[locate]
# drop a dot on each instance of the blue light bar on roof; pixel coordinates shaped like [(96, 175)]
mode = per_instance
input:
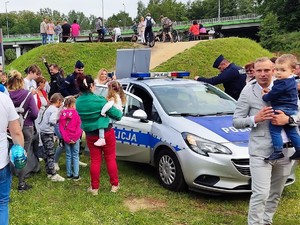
[(140, 75), (180, 74)]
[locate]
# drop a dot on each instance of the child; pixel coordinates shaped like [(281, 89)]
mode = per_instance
[(47, 123), (69, 126), (284, 97), (116, 98)]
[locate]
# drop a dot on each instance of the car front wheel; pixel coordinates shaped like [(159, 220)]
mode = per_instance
[(169, 171)]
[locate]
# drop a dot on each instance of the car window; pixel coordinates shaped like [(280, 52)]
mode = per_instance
[(132, 102), (195, 98)]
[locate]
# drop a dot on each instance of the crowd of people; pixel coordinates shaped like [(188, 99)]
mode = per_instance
[(63, 31), (58, 111)]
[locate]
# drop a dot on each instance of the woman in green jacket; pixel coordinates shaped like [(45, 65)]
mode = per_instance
[(89, 108)]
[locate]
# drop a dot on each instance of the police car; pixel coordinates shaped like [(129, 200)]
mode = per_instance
[(183, 128)]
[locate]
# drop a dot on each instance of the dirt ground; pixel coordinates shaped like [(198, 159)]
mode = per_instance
[(162, 52), (136, 204)]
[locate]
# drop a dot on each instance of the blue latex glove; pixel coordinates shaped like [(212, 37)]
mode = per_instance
[(18, 156)]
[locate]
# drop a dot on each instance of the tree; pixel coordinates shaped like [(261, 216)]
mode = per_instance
[(121, 19), (268, 29)]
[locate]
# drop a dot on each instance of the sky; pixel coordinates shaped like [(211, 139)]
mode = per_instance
[(88, 7)]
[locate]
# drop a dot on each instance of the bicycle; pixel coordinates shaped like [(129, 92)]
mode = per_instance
[(174, 33)]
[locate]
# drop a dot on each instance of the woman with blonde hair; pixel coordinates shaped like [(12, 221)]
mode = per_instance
[(141, 29), (18, 94), (102, 77)]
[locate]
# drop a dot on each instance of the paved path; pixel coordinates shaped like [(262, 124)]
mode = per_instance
[(162, 52)]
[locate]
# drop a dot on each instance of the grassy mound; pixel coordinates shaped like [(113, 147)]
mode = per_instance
[(94, 56), (198, 60)]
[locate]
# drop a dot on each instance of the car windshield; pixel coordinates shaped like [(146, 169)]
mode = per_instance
[(195, 99)]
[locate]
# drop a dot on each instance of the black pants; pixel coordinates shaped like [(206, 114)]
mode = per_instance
[(148, 34)]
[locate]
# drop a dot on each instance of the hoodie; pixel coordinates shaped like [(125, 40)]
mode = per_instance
[(69, 125), (17, 97)]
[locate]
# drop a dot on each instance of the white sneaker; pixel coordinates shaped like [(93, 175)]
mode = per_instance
[(82, 164), (100, 142), (114, 189), (57, 177), (56, 167), (41, 159), (92, 191)]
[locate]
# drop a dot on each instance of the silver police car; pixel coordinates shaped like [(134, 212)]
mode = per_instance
[(184, 129)]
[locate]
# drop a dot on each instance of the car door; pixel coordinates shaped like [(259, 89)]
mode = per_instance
[(133, 134)]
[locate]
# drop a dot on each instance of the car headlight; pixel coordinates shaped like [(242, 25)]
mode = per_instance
[(203, 146)]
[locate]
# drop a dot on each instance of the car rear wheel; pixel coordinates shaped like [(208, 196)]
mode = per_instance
[(169, 171)]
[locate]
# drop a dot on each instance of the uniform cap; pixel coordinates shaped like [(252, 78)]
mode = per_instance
[(79, 65), (218, 61)]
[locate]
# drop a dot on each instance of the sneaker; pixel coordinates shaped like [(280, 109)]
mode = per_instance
[(41, 159), (100, 142), (56, 178), (77, 178), (295, 156), (82, 164), (114, 189), (275, 156), (70, 177), (56, 167), (92, 191), (24, 187)]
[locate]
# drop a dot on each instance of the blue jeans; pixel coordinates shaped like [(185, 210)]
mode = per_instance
[(44, 38), (59, 147), (72, 157), (291, 132), (5, 182)]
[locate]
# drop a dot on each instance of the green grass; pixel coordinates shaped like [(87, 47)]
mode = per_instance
[(199, 59), (69, 203), (94, 56)]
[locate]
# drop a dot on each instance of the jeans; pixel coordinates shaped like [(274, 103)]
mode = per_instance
[(60, 146), (72, 157), (291, 132), (5, 182), (44, 38), (50, 38)]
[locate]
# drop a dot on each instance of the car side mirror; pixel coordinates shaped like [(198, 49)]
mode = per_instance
[(140, 114)]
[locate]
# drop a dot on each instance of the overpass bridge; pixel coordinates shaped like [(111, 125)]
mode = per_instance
[(230, 26)]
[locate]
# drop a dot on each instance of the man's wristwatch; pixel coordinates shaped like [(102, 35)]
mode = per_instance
[(291, 120)]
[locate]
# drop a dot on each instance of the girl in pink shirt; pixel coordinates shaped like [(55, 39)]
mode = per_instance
[(75, 29), (69, 126)]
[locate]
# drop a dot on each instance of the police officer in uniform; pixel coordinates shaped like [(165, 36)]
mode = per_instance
[(232, 77), (69, 87)]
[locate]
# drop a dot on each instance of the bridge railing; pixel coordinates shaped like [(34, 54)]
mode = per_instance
[(210, 21)]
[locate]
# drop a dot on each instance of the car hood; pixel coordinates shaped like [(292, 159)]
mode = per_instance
[(216, 128)]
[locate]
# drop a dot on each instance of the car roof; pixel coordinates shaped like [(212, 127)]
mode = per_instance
[(159, 81)]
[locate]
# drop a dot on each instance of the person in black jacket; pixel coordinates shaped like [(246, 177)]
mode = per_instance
[(232, 77), (69, 87), (56, 78)]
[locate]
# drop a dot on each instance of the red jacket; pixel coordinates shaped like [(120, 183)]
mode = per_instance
[(69, 125), (194, 29)]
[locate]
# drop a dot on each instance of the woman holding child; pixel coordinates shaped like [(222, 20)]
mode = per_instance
[(89, 108)]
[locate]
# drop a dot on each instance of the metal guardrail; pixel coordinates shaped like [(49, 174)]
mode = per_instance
[(128, 30)]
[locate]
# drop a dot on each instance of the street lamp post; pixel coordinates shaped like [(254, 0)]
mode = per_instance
[(219, 10), (102, 13), (124, 16), (6, 18)]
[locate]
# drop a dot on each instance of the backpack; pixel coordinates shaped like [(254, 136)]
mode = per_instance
[(167, 23), (20, 111), (149, 22)]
